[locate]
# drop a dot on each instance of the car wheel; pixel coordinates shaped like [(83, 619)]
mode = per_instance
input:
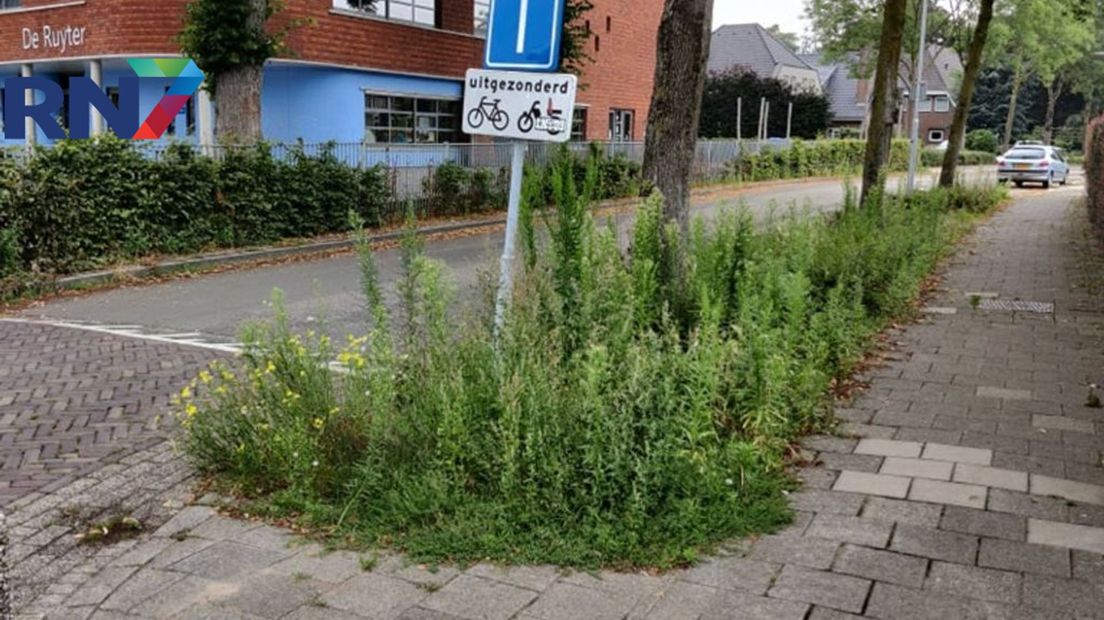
[(1050, 179), (1018, 183)]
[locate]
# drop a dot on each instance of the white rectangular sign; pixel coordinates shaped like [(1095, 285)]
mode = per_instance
[(512, 104)]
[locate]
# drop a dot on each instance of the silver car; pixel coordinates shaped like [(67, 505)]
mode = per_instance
[(1033, 163)]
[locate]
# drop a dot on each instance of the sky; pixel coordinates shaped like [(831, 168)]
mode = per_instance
[(787, 13)]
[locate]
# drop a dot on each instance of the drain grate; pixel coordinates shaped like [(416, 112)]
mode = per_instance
[(1010, 305)]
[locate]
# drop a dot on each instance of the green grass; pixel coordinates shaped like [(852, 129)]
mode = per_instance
[(636, 411)]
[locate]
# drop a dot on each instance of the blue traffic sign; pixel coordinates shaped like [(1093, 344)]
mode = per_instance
[(525, 35)]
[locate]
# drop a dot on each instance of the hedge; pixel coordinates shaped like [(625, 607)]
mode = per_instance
[(1094, 173)]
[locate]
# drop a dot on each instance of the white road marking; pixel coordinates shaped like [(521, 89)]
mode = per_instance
[(132, 331)]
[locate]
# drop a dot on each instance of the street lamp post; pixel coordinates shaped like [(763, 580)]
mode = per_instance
[(914, 129)]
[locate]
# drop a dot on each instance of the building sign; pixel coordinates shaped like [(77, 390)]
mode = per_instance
[(54, 39), (512, 104), (84, 94)]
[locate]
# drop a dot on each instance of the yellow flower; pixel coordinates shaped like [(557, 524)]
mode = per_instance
[(271, 368), (241, 447), (186, 393), (335, 410), (191, 410), (205, 377), (221, 390), (319, 423)]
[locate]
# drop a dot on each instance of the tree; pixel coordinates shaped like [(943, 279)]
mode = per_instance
[(789, 39), (682, 51), (966, 94), (882, 113), (229, 42), (812, 112), (576, 35)]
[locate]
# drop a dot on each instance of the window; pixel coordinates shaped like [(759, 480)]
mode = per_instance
[(403, 120), (422, 12), (609, 24), (621, 125), (935, 135), (942, 104), (925, 104), (10, 4), (579, 125), (188, 112), (597, 43), (482, 14)]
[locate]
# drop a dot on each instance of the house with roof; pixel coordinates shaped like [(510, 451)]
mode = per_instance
[(753, 48)]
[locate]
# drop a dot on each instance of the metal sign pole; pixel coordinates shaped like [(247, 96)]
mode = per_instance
[(739, 117), (513, 215)]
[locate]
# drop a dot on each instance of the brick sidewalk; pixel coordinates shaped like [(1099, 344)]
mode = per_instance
[(965, 483), (73, 400)]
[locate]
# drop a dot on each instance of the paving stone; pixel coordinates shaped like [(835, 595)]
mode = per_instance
[(1083, 472), (1003, 393), (850, 462), (904, 418), (892, 602), (917, 468), (951, 493), (204, 612), (141, 586), (858, 530), (567, 601), (957, 454), (536, 578), (1036, 506), (984, 523), (319, 612), (478, 598), (827, 501), (1068, 489), (872, 484), (828, 589), (885, 566), (929, 435), (682, 601), (975, 583), (1063, 595), (185, 520), (801, 521), (1030, 464), (1065, 535), (823, 613), (872, 431), (1062, 423), (888, 447), (189, 592), (900, 511), (935, 544), (743, 606), (228, 559), (95, 590), (810, 552), (991, 477), (332, 567), (425, 575), (734, 573), (817, 478), (375, 595), (222, 528), (1088, 566), (828, 443), (269, 596), (1086, 514), (1024, 557)]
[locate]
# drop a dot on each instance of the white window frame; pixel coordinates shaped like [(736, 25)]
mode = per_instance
[(942, 104), (421, 12), (481, 17), (415, 114), (933, 132)]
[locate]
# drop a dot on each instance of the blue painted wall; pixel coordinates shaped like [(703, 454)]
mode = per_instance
[(320, 104)]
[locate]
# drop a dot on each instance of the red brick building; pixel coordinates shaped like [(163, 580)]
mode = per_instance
[(388, 71)]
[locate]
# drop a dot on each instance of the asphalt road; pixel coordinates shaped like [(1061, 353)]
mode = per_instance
[(324, 294)]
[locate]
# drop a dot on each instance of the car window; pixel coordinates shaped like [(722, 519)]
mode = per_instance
[(1026, 154), (1059, 155)]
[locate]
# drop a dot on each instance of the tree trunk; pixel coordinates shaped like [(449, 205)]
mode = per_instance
[(966, 94), (1010, 122), (682, 52), (1054, 92), (238, 92), (882, 114)]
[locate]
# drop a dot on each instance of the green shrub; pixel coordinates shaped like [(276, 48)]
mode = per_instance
[(983, 140), (456, 190), (623, 417), (10, 259), (933, 158)]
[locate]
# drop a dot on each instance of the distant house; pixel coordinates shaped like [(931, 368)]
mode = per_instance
[(849, 95), (752, 48)]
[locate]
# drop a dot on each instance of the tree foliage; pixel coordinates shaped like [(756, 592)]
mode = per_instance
[(576, 36), (812, 112), (221, 35)]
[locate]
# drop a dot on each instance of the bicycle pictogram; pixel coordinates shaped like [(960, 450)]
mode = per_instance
[(488, 110)]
